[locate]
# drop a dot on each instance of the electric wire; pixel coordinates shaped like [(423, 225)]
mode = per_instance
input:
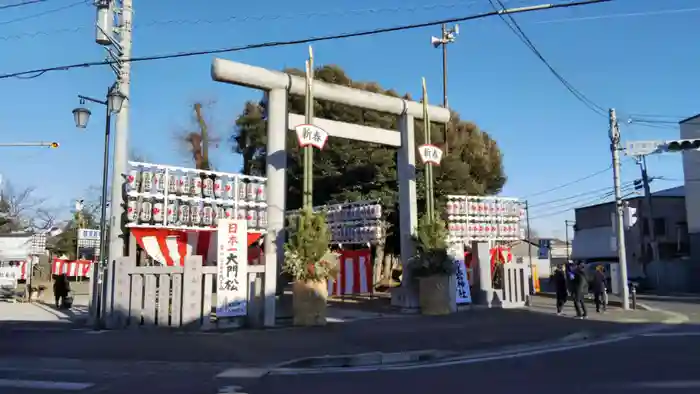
[(20, 4), (509, 20), (594, 201), (589, 176), (572, 197), (257, 18), (30, 74), (43, 13), (615, 16), (585, 200)]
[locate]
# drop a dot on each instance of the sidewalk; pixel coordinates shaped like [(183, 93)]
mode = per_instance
[(473, 330), (41, 313)]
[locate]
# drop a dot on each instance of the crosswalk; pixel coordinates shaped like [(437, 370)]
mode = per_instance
[(65, 376), (27, 376)]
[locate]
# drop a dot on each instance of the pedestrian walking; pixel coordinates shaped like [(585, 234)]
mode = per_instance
[(580, 289), (560, 287), (599, 289), (61, 288)]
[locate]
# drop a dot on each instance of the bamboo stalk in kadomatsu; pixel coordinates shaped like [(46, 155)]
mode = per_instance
[(308, 150)]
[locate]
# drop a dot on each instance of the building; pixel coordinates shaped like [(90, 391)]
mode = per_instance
[(690, 128), (594, 239), (530, 251)]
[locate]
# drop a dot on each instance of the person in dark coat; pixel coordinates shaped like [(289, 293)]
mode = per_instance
[(60, 289), (580, 289), (560, 287), (599, 289)]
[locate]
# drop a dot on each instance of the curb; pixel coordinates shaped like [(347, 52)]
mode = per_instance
[(640, 305), (377, 361), (382, 361)]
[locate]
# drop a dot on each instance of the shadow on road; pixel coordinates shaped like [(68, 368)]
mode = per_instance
[(475, 329)]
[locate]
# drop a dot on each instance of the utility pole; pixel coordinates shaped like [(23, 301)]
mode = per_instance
[(566, 231), (117, 41), (614, 135), (649, 209), (117, 242), (529, 245)]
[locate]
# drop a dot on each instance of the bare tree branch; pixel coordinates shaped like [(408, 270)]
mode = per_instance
[(22, 211)]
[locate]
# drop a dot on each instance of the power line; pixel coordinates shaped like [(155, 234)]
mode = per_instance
[(256, 18), (41, 71), (628, 15), (573, 197), (22, 4), (509, 20), (584, 200), (570, 183), (594, 201), (47, 12)]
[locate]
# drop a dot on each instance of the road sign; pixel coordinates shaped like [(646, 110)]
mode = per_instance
[(641, 148)]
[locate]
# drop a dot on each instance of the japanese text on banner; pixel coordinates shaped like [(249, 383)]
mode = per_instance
[(232, 269)]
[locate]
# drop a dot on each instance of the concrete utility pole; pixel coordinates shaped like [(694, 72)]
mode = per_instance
[(566, 231), (117, 242), (614, 135), (649, 209), (529, 245)]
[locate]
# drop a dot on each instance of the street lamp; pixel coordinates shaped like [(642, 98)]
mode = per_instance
[(113, 103), (448, 37)]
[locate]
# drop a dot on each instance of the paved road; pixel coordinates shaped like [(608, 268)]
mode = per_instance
[(647, 364), (658, 363)]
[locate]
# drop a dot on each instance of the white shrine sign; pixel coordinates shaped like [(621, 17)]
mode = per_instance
[(430, 154), (308, 134)]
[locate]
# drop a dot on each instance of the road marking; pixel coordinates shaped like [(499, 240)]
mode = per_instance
[(504, 355), (242, 373), (231, 390), (671, 384), (44, 370), (44, 385), (673, 334)]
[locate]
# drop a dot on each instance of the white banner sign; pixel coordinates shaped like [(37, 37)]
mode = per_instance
[(88, 234), (232, 268), (8, 277), (456, 250)]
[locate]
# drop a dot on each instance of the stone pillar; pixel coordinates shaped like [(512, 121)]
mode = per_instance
[(407, 295), (481, 265), (276, 172)]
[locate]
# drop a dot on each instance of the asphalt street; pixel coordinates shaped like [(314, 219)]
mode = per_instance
[(662, 362), (655, 364)]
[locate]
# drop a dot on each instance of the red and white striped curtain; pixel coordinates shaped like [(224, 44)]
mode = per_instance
[(355, 274)]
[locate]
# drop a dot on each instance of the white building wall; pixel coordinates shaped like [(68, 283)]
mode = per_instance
[(691, 175)]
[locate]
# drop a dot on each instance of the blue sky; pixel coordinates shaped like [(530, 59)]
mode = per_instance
[(635, 55)]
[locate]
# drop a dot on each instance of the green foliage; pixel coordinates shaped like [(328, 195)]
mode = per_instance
[(306, 253), (352, 170), (66, 243), (432, 257)]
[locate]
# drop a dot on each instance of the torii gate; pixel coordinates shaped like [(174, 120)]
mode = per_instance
[(278, 85)]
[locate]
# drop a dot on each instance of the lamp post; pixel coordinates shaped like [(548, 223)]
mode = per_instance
[(447, 37), (113, 104)]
